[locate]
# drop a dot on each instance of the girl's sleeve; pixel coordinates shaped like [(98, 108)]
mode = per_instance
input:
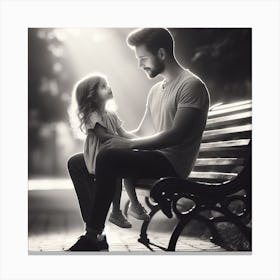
[(119, 122), (93, 120)]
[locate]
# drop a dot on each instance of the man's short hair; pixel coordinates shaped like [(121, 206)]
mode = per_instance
[(152, 38)]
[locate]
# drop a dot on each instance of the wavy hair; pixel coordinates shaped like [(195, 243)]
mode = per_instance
[(84, 101)]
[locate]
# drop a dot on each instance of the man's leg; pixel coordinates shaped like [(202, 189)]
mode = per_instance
[(117, 196), (84, 184), (112, 164), (85, 188)]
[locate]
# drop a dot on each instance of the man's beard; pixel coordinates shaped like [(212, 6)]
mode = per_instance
[(157, 69)]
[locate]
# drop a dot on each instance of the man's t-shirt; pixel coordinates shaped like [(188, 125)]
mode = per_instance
[(186, 91)]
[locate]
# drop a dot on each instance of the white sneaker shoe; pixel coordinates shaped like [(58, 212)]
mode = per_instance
[(118, 219), (139, 212)]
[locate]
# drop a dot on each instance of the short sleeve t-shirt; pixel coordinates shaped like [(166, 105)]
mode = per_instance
[(108, 120), (186, 91)]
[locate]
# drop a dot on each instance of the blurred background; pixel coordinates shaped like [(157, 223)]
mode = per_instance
[(57, 58)]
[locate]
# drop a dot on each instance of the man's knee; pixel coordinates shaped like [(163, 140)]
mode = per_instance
[(75, 162)]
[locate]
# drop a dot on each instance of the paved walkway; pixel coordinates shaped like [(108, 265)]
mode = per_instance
[(55, 224)]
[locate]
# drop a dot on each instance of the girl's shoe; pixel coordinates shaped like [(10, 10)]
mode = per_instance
[(118, 219), (139, 212)]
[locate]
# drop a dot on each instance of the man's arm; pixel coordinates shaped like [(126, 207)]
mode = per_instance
[(126, 134), (187, 121), (145, 127)]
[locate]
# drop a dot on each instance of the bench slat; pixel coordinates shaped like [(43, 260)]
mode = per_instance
[(210, 134), (218, 161), (224, 144), (224, 149), (230, 118), (211, 182), (218, 168), (230, 110), (212, 175), (229, 105), (239, 152)]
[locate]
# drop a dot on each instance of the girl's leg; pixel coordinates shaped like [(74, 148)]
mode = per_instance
[(136, 209), (117, 216), (130, 189)]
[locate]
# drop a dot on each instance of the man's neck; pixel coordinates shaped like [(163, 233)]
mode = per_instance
[(172, 71)]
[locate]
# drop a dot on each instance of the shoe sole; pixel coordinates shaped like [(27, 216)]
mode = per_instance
[(103, 250), (119, 225), (138, 217)]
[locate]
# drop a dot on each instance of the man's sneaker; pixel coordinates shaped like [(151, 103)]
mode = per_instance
[(86, 244), (139, 212), (118, 219)]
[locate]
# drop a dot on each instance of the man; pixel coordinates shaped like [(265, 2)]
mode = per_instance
[(177, 109)]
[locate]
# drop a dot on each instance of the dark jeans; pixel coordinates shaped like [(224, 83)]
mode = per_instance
[(111, 165), (84, 184)]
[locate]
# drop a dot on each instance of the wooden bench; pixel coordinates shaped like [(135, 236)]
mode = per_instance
[(220, 179)]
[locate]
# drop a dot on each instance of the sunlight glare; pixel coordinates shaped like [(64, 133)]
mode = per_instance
[(111, 106)]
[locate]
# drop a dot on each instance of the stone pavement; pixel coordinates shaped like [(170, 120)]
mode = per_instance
[(54, 224)]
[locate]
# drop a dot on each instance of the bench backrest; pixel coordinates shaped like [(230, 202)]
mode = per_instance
[(226, 143)]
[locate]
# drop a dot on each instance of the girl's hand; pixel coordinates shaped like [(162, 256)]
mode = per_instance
[(117, 143)]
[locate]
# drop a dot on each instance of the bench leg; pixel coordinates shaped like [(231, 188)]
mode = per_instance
[(231, 218), (154, 208), (143, 239), (183, 222), (241, 226)]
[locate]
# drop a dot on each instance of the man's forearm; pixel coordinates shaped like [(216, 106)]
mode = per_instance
[(140, 132), (157, 141), (129, 135), (126, 134)]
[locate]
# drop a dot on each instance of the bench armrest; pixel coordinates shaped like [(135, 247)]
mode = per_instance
[(163, 190)]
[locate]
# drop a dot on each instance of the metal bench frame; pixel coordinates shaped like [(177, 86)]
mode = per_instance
[(206, 197)]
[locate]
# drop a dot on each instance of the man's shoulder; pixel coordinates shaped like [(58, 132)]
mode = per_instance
[(190, 83), (190, 79)]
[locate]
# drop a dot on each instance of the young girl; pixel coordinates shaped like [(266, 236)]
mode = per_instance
[(91, 95)]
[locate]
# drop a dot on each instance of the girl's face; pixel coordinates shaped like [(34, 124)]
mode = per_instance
[(104, 91)]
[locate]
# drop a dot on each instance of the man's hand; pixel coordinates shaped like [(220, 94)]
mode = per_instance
[(117, 143)]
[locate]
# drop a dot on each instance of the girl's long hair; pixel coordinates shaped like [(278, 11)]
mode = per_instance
[(84, 101)]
